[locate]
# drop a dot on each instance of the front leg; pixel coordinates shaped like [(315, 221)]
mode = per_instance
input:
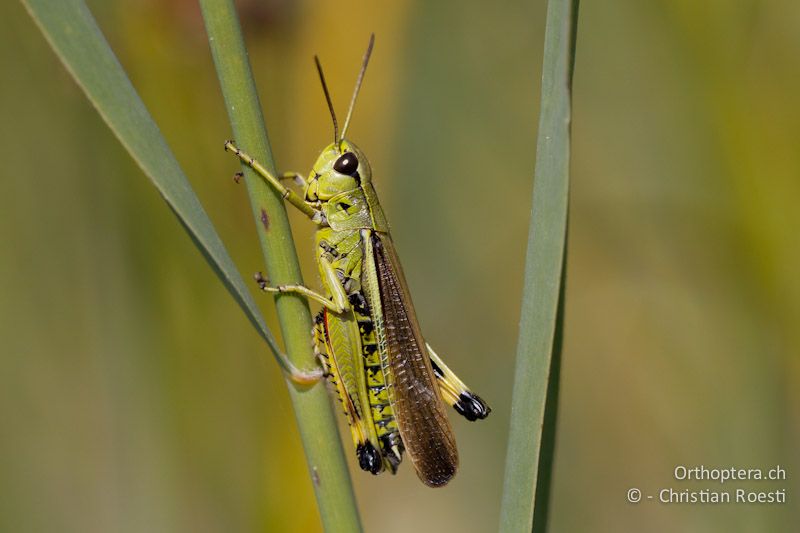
[(296, 177), (287, 194)]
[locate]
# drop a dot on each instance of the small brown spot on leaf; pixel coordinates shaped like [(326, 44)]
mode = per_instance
[(264, 219)]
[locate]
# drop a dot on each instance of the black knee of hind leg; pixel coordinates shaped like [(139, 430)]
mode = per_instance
[(472, 407), (369, 458)]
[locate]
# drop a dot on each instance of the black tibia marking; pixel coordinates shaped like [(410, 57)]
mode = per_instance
[(436, 369), (369, 459), (238, 177), (328, 248), (320, 317), (261, 280), (359, 303), (472, 407), (264, 219)]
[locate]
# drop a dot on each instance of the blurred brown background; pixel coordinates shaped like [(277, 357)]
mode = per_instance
[(134, 396)]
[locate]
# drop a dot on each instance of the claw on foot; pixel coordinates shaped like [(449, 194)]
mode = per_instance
[(305, 377), (261, 280)]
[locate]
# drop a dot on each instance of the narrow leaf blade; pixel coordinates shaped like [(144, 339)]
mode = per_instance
[(72, 32), (531, 438)]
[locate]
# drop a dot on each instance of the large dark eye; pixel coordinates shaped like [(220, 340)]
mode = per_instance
[(346, 164)]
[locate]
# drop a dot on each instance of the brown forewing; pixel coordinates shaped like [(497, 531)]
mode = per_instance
[(415, 397)]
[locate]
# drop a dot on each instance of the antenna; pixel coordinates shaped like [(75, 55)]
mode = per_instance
[(358, 84), (330, 104)]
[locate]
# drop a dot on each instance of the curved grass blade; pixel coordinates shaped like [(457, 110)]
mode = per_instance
[(532, 434), (315, 418), (73, 34)]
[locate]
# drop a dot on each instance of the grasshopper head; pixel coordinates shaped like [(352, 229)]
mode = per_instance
[(341, 167)]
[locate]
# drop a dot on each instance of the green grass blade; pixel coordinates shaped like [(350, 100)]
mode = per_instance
[(312, 407), (72, 32), (532, 434)]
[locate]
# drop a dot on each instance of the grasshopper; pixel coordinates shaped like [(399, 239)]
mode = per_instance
[(392, 385)]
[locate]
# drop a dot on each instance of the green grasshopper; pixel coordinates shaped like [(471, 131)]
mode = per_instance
[(391, 384)]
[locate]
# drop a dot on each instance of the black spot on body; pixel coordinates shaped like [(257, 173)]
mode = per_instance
[(325, 245), (359, 303), (369, 349), (388, 442)]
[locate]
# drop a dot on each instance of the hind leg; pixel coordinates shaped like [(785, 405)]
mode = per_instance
[(368, 455), (456, 393)]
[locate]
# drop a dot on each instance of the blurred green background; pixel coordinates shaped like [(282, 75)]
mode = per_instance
[(134, 396)]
